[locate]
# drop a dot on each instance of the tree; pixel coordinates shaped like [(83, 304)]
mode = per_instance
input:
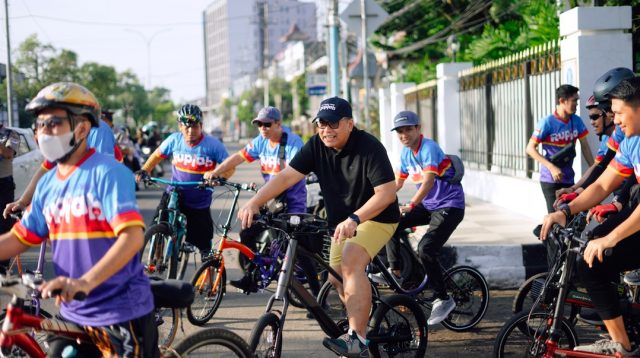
[(102, 80)]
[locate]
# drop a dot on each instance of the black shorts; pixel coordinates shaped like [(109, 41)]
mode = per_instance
[(135, 338)]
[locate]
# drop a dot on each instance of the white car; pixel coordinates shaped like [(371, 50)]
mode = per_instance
[(27, 160)]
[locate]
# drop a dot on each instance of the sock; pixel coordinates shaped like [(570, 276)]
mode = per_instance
[(360, 338)]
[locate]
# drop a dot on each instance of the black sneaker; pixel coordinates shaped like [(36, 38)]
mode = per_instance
[(245, 284)]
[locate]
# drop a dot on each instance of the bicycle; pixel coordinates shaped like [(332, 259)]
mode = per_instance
[(545, 333), (398, 326), (15, 339), (465, 284), (33, 305), (168, 254)]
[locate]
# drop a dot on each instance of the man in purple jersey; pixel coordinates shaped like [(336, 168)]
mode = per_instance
[(438, 202), (558, 133), (192, 154), (275, 146), (86, 207)]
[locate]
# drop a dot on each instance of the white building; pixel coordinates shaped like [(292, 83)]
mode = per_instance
[(234, 38)]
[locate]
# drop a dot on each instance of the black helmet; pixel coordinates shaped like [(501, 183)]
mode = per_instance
[(609, 81), (189, 113)]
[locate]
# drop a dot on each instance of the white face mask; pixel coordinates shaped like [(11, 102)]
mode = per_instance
[(54, 147)]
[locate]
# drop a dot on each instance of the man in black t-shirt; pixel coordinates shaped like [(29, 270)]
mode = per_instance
[(358, 186)]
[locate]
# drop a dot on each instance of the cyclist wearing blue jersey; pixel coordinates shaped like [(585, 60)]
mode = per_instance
[(275, 146), (100, 138), (598, 272), (87, 207), (438, 202), (558, 133), (192, 154)]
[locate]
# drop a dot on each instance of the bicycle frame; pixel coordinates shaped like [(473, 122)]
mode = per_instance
[(173, 217), (227, 243), (552, 347), (18, 324)]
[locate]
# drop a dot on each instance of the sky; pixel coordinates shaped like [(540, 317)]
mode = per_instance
[(119, 33)]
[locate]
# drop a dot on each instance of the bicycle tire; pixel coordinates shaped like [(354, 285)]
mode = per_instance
[(218, 340), (204, 290), (182, 266), (523, 301), (400, 318), (269, 345), (470, 291), (156, 237), (330, 301), (40, 337), (167, 321), (522, 296), (525, 336)]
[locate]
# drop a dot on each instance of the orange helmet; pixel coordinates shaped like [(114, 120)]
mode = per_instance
[(68, 96)]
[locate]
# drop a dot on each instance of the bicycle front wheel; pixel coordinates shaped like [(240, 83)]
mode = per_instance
[(212, 342), (266, 337), (167, 322), (330, 301), (398, 328), (470, 290), (155, 240), (209, 283), (524, 336)]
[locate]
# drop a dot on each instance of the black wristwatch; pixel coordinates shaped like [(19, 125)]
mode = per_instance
[(566, 210), (355, 218)]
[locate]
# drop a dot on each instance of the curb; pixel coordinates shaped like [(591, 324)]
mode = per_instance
[(503, 266)]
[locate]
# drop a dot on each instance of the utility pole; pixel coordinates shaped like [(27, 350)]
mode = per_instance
[(8, 68), (365, 68), (333, 48), (264, 16)]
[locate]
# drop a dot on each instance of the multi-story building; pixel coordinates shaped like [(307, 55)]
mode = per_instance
[(235, 39)]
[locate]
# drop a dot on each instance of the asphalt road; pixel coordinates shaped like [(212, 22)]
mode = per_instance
[(238, 312)]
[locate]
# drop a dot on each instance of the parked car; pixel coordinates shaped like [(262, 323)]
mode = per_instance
[(28, 159)]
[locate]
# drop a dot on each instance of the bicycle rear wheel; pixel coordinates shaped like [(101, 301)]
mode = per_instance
[(209, 283), (524, 336), (398, 328), (155, 240), (266, 337), (212, 342), (470, 290)]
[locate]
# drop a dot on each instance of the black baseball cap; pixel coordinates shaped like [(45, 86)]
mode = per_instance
[(405, 119), (334, 109)]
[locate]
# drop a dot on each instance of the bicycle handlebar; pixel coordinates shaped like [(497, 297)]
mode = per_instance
[(574, 231), (24, 285), (239, 186)]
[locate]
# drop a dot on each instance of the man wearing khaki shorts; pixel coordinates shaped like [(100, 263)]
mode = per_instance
[(358, 185)]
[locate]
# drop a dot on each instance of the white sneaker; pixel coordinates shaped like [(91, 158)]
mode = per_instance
[(441, 310), (380, 279)]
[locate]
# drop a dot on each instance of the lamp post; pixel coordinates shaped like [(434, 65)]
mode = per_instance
[(148, 41)]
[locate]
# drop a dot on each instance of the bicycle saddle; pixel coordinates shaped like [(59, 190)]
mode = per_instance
[(172, 293)]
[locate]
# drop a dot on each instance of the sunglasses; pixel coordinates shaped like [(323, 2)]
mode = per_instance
[(263, 124), (594, 117), (324, 124), (50, 123)]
